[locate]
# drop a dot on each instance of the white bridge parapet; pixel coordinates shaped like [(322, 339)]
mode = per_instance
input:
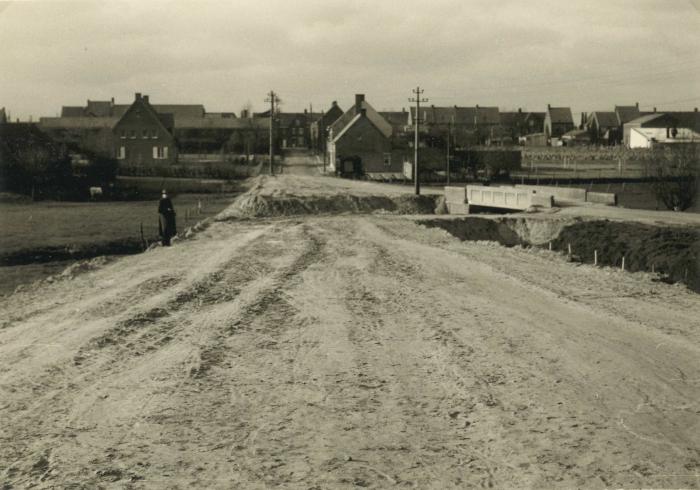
[(506, 197)]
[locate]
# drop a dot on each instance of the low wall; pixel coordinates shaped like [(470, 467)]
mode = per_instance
[(560, 193), (602, 198), (499, 197), (454, 194)]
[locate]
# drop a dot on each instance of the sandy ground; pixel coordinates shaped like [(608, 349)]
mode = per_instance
[(349, 351)]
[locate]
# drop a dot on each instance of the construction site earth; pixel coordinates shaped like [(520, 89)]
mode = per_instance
[(325, 333)]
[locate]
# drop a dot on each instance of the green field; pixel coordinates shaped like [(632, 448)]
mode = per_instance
[(38, 229)]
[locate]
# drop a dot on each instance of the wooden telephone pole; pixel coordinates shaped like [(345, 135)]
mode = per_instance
[(449, 135), (272, 99), (416, 123)]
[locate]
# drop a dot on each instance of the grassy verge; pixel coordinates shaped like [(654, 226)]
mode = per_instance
[(37, 235)]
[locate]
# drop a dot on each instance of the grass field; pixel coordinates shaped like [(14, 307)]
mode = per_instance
[(52, 224), (37, 229)]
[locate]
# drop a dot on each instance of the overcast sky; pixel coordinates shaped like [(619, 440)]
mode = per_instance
[(587, 54)]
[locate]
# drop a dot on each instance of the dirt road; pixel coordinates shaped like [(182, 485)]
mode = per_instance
[(349, 351)]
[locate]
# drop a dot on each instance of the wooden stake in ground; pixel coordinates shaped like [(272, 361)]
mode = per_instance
[(623, 263), (595, 257)]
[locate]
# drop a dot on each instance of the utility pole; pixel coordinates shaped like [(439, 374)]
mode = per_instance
[(417, 99), (449, 134), (272, 99)]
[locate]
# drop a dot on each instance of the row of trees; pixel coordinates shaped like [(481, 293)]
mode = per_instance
[(33, 164)]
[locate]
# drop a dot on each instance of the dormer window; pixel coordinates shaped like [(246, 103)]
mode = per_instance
[(154, 134), (132, 134), (123, 134), (144, 134)]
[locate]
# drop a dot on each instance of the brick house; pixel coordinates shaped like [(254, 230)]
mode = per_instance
[(319, 127), (360, 142), (558, 121), (144, 137)]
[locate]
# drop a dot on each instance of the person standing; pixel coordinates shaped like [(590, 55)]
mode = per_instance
[(166, 221)]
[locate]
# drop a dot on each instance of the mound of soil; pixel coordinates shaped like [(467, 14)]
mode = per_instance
[(673, 252), (253, 205)]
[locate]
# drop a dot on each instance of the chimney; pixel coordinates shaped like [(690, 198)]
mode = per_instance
[(138, 95), (636, 104), (335, 103), (549, 106), (359, 99), (654, 110), (112, 100), (145, 98), (520, 110), (696, 109)]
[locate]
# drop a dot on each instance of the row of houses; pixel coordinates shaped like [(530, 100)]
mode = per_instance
[(142, 133), (363, 140)]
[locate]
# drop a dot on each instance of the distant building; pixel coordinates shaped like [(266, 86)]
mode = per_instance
[(223, 135), (360, 142), (319, 127), (627, 113), (604, 127), (658, 129), (514, 126), (466, 125), (558, 121), (398, 120), (82, 133), (108, 109), (91, 128), (143, 137)]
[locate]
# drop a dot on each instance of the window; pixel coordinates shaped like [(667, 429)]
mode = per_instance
[(160, 152), (123, 134), (387, 159), (154, 134), (132, 134), (121, 154), (144, 134)]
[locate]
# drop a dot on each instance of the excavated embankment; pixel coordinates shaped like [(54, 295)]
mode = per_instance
[(672, 252), (254, 205)]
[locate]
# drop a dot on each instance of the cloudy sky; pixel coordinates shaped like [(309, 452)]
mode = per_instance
[(587, 54)]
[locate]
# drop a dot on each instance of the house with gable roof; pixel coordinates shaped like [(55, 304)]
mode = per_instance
[(142, 136), (359, 142), (319, 127), (558, 121), (603, 127)]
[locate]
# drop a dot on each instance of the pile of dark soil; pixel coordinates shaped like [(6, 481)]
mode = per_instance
[(674, 252), (71, 252)]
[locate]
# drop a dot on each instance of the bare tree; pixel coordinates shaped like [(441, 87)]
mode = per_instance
[(676, 176)]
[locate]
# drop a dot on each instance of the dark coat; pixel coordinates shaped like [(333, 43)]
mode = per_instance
[(166, 224)]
